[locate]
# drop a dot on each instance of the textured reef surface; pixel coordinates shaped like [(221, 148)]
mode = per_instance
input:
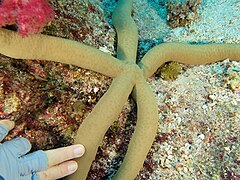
[(198, 109)]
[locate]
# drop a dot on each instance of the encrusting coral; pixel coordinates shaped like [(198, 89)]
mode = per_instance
[(182, 13), (128, 77), (169, 71)]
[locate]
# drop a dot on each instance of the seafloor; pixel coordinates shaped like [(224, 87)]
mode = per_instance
[(198, 134)]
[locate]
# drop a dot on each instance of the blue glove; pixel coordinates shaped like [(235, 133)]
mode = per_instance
[(15, 164)]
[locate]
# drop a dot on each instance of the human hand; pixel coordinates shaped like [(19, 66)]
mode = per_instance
[(15, 163)]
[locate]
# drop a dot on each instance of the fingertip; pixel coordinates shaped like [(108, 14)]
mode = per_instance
[(11, 125), (8, 124), (59, 171), (55, 156), (79, 150), (72, 166)]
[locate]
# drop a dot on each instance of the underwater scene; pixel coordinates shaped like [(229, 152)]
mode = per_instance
[(151, 88)]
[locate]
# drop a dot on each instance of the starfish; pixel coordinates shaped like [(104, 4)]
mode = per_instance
[(128, 76)]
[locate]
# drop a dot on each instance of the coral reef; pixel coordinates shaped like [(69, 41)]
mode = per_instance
[(37, 117), (128, 77), (199, 115), (36, 94), (182, 13), (29, 16), (82, 21)]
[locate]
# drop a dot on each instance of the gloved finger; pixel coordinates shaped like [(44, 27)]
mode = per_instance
[(55, 156), (33, 162), (18, 146), (59, 171), (3, 132), (7, 123), (5, 126)]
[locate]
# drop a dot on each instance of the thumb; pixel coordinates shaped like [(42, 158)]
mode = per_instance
[(5, 126)]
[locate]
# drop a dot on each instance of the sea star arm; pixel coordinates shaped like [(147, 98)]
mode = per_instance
[(147, 116), (188, 54), (93, 128), (126, 31), (144, 134), (51, 48)]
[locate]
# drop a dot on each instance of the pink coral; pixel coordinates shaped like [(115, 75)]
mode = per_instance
[(29, 15)]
